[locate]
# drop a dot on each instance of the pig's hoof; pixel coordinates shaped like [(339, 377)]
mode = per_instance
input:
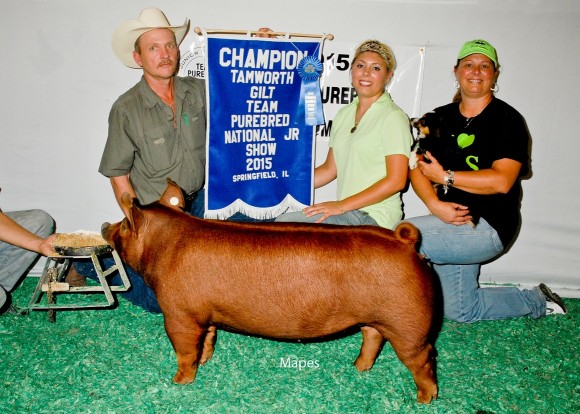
[(204, 360), (362, 365), (181, 378), (206, 356), (425, 397)]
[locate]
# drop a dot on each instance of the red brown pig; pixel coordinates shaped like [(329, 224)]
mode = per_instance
[(287, 281)]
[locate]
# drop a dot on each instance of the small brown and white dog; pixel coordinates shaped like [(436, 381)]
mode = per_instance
[(426, 126)]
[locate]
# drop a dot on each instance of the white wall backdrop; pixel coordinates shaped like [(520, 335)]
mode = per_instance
[(60, 78)]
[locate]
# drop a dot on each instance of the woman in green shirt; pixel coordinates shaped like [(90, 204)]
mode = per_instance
[(369, 148)]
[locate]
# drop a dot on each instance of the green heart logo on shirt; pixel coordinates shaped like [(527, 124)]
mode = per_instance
[(464, 140)]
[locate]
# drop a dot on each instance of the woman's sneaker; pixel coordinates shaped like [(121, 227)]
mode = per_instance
[(554, 303)]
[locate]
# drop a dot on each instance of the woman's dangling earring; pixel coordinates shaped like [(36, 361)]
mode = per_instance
[(456, 84), (495, 87)]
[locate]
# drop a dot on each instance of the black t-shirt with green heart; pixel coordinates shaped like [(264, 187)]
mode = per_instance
[(461, 144)]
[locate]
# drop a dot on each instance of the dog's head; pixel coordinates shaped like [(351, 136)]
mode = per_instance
[(427, 125), (420, 126)]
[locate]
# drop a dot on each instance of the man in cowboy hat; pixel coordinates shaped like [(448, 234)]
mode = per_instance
[(157, 128)]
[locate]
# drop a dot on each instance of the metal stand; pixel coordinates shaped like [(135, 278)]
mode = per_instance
[(52, 282)]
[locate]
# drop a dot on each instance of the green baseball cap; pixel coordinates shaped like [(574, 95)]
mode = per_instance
[(478, 46)]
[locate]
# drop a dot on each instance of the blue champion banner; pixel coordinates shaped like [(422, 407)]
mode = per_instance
[(263, 104)]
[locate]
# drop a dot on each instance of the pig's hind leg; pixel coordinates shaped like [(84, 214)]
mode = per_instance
[(419, 357), (186, 336), (371, 346)]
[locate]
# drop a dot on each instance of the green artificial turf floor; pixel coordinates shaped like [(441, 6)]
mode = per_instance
[(121, 361)]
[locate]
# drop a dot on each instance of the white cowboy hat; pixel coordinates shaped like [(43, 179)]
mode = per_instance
[(127, 33)]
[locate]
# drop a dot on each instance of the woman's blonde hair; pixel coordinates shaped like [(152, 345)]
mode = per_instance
[(378, 47)]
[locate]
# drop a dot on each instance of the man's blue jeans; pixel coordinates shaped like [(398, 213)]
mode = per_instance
[(456, 254), (138, 294)]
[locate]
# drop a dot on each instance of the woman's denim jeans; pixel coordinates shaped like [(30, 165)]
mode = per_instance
[(456, 253), (350, 218), (15, 261)]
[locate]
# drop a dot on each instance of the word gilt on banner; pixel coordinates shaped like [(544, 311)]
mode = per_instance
[(310, 105)]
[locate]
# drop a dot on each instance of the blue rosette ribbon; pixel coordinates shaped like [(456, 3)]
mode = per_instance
[(310, 104)]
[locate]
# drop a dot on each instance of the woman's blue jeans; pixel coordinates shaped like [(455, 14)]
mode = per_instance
[(456, 254), (15, 261), (350, 218)]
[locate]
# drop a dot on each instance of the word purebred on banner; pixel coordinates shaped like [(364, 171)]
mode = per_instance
[(263, 103)]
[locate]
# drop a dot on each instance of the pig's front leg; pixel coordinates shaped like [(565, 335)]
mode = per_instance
[(185, 336), (370, 348), (208, 345)]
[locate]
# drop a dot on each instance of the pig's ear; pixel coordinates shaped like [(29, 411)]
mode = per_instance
[(173, 196), (136, 219), (126, 201), (131, 210)]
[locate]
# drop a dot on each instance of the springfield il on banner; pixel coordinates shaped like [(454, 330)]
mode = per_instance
[(260, 155)]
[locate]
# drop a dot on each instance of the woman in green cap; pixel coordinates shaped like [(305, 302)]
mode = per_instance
[(477, 153)]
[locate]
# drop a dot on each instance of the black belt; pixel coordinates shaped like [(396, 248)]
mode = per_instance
[(191, 196)]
